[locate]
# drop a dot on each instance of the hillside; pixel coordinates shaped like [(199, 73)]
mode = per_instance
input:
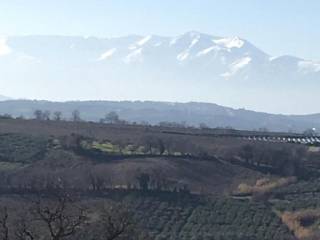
[(192, 114), (198, 184), (200, 159), (28, 151)]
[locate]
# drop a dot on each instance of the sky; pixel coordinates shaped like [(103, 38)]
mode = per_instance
[(279, 27)]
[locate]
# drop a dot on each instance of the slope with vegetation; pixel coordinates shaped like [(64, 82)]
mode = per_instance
[(174, 186)]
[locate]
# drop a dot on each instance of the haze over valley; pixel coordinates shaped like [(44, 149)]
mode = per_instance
[(197, 67), (159, 120)]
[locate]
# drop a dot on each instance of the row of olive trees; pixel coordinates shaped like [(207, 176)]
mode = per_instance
[(60, 216)]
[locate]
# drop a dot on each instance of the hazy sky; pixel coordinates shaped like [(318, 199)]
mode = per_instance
[(276, 26)]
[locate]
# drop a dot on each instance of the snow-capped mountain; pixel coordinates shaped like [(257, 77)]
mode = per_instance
[(190, 67)]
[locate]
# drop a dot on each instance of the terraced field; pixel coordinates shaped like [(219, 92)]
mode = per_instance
[(194, 218), (157, 174), (19, 148)]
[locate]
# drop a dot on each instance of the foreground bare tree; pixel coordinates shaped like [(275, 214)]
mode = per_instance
[(62, 217), (4, 229), (116, 222), (24, 229)]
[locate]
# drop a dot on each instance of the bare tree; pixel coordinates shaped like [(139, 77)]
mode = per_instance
[(97, 183), (4, 229), (144, 181), (203, 126), (24, 230), (46, 115), (247, 153), (150, 143), (38, 114), (121, 144), (76, 116), (6, 116), (62, 217), (112, 118), (158, 180), (41, 115), (57, 115), (115, 222), (161, 146)]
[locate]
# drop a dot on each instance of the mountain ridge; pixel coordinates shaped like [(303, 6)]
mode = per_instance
[(4, 98), (190, 67), (192, 113)]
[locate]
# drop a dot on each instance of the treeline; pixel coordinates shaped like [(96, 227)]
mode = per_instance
[(281, 159), (87, 180), (46, 115), (109, 118), (146, 146), (275, 158), (41, 175)]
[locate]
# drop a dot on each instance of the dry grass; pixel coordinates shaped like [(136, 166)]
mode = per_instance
[(266, 185), (314, 149), (295, 222)]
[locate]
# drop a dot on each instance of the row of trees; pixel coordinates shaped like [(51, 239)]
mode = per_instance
[(111, 117), (88, 180), (151, 144), (171, 146), (286, 160), (55, 116)]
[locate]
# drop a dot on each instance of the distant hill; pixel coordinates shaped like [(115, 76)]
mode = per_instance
[(191, 113), (4, 98)]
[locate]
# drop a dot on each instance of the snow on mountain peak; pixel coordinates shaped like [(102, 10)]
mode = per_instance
[(135, 63), (4, 48), (174, 41), (285, 59), (158, 44), (135, 56), (237, 66), (233, 42), (144, 40), (183, 56), (193, 37), (272, 58), (207, 51), (194, 41), (309, 66), (241, 63), (107, 54)]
